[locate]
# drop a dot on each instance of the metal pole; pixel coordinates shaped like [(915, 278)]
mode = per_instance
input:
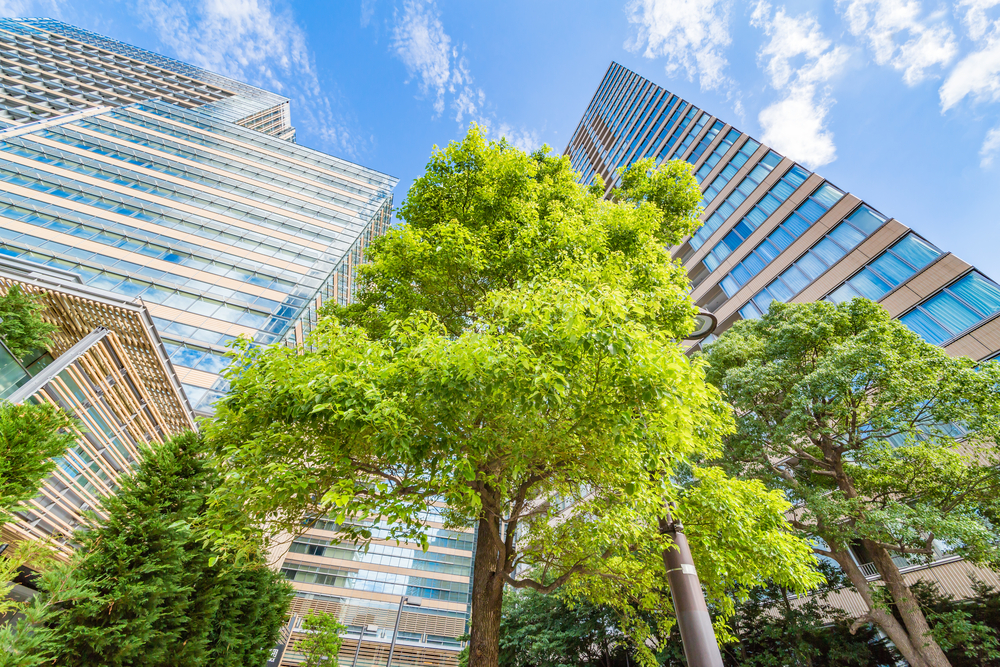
[(700, 646), (395, 630), (358, 649)]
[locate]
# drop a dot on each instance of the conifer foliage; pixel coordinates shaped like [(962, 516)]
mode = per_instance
[(144, 589), (21, 326)]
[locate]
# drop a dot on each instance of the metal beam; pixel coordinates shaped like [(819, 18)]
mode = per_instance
[(60, 364)]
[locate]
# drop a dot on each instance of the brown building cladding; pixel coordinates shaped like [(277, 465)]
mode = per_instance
[(775, 231)]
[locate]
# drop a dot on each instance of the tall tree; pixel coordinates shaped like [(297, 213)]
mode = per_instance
[(886, 444), (514, 349), (322, 641), (21, 326), (142, 589)]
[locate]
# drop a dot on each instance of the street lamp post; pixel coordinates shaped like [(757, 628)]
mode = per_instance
[(697, 635), (361, 636), (403, 600)]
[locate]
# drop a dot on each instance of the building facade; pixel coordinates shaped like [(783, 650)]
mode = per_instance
[(184, 193), (106, 366), (154, 179), (774, 231)]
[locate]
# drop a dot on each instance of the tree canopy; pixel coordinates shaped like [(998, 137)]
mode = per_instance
[(514, 350), (886, 444)]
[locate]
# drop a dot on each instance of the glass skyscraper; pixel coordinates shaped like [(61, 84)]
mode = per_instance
[(183, 191), (774, 231), (154, 179)]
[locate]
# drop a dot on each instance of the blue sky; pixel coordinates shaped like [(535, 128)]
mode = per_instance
[(897, 101)]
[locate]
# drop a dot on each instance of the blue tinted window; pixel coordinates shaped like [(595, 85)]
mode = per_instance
[(892, 268), (869, 285), (729, 285), (795, 279), (846, 235), (781, 238), (828, 250), (843, 293), (951, 313), (753, 263), (795, 225), (921, 324), (866, 219), (915, 251), (979, 293), (779, 291), (763, 300), (811, 265), (811, 211)]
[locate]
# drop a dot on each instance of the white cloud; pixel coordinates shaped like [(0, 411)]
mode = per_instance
[(977, 74), (26, 8), (525, 139), (257, 42), (420, 41), (929, 41), (975, 19), (691, 34), (990, 148), (249, 40), (367, 11), (799, 61)]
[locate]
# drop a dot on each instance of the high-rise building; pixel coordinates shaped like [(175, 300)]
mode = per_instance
[(152, 178), (183, 191), (774, 231)]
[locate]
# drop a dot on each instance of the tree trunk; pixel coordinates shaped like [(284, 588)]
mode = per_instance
[(897, 634), (487, 596), (913, 617)]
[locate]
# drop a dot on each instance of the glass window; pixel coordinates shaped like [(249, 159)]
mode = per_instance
[(811, 211), (847, 235), (763, 300), (829, 251), (866, 219), (750, 312), (811, 265), (915, 251), (979, 293), (951, 313), (729, 285), (795, 279), (892, 268), (779, 291), (928, 329), (869, 285), (843, 293), (827, 195)]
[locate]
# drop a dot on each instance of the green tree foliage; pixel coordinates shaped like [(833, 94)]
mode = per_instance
[(968, 630), (551, 631), (30, 436), (771, 630), (884, 441), (141, 588), (322, 640), (22, 328), (768, 630), (514, 349)]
